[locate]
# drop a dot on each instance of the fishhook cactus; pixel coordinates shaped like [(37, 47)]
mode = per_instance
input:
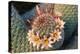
[(46, 29)]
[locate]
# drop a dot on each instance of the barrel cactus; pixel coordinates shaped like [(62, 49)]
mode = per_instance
[(46, 30)]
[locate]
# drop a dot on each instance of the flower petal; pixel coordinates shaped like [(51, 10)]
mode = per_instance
[(34, 44), (60, 37), (42, 47), (49, 45)]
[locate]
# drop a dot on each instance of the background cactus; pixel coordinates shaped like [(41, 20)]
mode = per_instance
[(70, 16), (18, 35), (18, 39)]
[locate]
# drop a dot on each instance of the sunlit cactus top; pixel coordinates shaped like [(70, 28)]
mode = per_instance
[(46, 29)]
